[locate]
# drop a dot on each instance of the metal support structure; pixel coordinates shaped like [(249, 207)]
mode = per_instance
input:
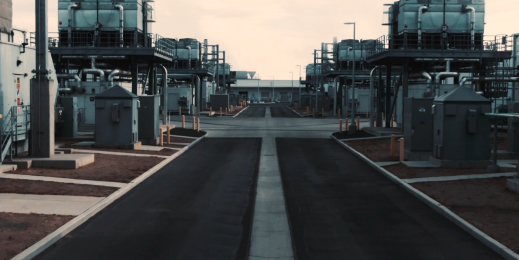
[(353, 127), (388, 96), (135, 76), (165, 92), (405, 90)]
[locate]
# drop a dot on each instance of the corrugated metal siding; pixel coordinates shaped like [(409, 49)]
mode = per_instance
[(6, 15)]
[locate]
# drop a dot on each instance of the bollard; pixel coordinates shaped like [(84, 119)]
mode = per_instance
[(322, 115), (392, 148), (226, 111), (198, 125), (210, 111), (168, 134), (339, 114), (221, 111), (340, 126), (163, 119), (393, 121), (307, 111), (161, 137), (358, 123), (194, 124), (183, 121), (367, 113), (347, 121), (401, 149)]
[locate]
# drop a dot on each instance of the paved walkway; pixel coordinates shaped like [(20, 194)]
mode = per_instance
[(46, 204)]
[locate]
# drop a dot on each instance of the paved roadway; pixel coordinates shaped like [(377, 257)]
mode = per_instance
[(202, 204)]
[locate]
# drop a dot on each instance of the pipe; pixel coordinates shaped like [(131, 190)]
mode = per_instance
[(112, 75), (464, 80), (121, 24), (198, 88), (441, 75), (336, 90), (188, 57), (472, 10), (165, 91), (371, 94), (420, 15), (100, 72), (97, 57), (70, 14), (93, 63), (70, 76)]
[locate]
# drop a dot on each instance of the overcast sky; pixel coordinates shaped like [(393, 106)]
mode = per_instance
[(273, 36)]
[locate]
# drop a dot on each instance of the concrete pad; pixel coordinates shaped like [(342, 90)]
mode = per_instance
[(421, 164), (20, 163), (8, 168), (513, 185), (187, 137), (150, 148), (64, 150), (62, 180), (461, 177), (384, 164), (383, 131), (460, 164), (64, 161), (184, 144), (46, 204), (119, 153)]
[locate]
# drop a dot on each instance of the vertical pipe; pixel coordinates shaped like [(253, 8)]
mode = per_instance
[(224, 74), (217, 67), (165, 91), (70, 15), (188, 57), (121, 25), (353, 127), (420, 14)]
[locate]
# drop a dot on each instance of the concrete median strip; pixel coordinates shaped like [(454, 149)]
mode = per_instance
[(475, 232), (52, 238)]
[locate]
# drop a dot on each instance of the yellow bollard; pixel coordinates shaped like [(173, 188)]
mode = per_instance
[(168, 134), (358, 123), (340, 126), (183, 121), (307, 111), (392, 148), (194, 123), (210, 111), (161, 137), (402, 149), (198, 125)]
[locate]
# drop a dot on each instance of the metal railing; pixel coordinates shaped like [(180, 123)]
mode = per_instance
[(15, 124), (386, 43)]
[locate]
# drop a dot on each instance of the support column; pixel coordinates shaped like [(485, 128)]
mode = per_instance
[(380, 100), (388, 96), (405, 89), (135, 76)]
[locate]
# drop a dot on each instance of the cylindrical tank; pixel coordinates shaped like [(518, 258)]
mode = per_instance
[(6, 15)]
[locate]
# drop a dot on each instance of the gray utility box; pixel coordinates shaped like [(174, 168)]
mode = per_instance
[(149, 122), (461, 130), (220, 101), (305, 100), (323, 102), (418, 130), (233, 99), (117, 120), (512, 141), (68, 127)]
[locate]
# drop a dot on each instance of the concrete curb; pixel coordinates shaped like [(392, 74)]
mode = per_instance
[(240, 112), (295, 112), (368, 138), (52, 238), (475, 232)]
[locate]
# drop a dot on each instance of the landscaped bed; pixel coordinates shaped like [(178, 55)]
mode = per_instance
[(404, 172), (20, 231), (53, 188), (163, 152), (114, 168), (377, 150), (485, 203)]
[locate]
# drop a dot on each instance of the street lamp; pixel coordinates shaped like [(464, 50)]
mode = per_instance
[(272, 89), (353, 127), (292, 89), (299, 102)]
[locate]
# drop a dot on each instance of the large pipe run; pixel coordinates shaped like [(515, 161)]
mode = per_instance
[(439, 77), (99, 72), (69, 76), (421, 10), (464, 80), (70, 15), (121, 24), (112, 76), (165, 91), (472, 10)]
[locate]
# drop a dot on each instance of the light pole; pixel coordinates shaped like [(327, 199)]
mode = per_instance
[(292, 89), (272, 89), (299, 102), (259, 97), (353, 127)]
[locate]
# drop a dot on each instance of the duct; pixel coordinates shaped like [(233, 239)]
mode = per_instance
[(121, 23), (69, 76), (165, 91), (100, 72), (70, 15), (472, 10), (111, 77), (420, 15), (441, 75), (428, 77), (372, 94), (188, 56)]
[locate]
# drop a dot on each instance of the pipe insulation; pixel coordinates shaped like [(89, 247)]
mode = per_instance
[(70, 16), (472, 11), (121, 24), (441, 76), (421, 10)]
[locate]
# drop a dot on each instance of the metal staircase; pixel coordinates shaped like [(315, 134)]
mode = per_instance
[(15, 127)]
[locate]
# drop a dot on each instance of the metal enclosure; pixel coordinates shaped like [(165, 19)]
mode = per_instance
[(6, 16), (89, 12), (461, 130), (180, 98), (219, 101), (69, 125), (418, 130), (149, 122), (117, 121), (512, 141)]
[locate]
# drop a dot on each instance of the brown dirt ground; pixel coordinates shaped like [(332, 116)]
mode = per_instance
[(487, 204), (20, 231), (376, 150), (53, 188), (105, 168), (404, 172)]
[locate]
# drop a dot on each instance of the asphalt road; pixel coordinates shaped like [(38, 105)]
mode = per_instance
[(282, 112), (340, 208), (199, 206), (253, 111)]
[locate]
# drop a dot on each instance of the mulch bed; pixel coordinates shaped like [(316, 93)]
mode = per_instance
[(376, 150), (53, 188), (112, 168), (187, 132), (404, 172), (358, 134), (20, 231), (485, 203), (181, 140)]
